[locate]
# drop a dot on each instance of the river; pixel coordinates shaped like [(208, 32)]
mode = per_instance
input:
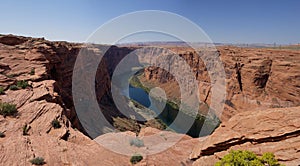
[(168, 114)]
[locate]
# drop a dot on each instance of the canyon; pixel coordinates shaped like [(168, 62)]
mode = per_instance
[(261, 109)]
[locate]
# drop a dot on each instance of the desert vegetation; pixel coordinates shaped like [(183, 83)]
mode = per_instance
[(22, 84), (136, 158), (247, 158), (26, 128), (1, 90), (137, 142), (32, 71), (38, 161), (55, 124), (7, 109), (13, 87), (48, 105)]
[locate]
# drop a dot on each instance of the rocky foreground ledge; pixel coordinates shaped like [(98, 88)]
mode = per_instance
[(274, 130)]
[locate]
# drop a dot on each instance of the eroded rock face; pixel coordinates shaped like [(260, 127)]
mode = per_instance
[(49, 97), (274, 130), (37, 106), (255, 78), (12, 40)]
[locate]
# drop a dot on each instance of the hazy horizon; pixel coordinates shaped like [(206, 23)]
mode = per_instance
[(247, 22)]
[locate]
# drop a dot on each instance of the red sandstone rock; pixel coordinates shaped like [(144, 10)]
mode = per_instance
[(270, 78), (273, 130)]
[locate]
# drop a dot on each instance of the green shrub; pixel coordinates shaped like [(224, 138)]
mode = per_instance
[(32, 71), (38, 161), (26, 128), (12, 75), (269, 159), (22, 84), (136, 158), (13, 87), (200, 117), (247, 158), (7, 109), (136, 142), (1, 90), (2, 134), (55, 124)]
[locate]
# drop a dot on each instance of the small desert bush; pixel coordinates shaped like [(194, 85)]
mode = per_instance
[(13, 87), (136, 142), (269, 159), (12, 75), (55, 124), (2, 134), (32, 71), (22, 84), (1, 90), (7, 109), (136, 158), (247, 158), (38, 161), (26, 128)]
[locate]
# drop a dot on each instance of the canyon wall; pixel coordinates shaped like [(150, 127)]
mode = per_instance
[(256, 79)]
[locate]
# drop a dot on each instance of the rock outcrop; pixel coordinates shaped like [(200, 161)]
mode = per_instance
[(256, 79), (47, 67), (273, 130), (12, 40)]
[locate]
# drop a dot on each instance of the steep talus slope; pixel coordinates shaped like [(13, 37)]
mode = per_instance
[(274, 130)]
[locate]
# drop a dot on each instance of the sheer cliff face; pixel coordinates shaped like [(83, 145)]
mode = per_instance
[(49, 97), (255, 78)]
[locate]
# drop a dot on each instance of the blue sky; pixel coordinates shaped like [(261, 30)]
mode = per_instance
[(231, 21)]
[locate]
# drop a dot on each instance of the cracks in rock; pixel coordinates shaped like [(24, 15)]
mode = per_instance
[(262, 77), (46, 97), (48, 131), (4, 67), (261, 81), (65, 136), (29, 149), (58, 58), (38, 114), (23, 103), (238, 68), (206, 97), (223, 146)]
